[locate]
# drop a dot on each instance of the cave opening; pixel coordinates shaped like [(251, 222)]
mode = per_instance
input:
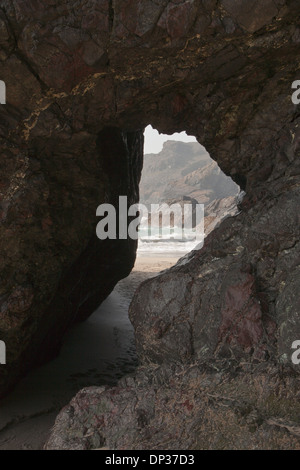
[(176, 168), (178, 171)]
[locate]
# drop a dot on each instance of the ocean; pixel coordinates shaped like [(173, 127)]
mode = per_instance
[(168, 240)]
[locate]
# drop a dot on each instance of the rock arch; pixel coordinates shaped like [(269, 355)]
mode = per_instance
[(83, 79)]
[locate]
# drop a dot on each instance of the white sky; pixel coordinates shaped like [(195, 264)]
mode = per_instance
[(154, 141)]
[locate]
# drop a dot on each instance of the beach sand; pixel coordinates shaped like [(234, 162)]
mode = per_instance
[(96, 352)]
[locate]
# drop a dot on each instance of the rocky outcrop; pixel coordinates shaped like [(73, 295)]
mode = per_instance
[(83, 80), (183, 169), (183, 173)]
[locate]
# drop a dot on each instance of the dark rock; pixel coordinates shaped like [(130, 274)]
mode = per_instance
[(252, 15)]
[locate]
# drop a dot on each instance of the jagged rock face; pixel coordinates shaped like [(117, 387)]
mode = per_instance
[(83, 80)]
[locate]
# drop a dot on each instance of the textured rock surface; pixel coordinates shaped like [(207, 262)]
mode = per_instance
[(76, 70), (219, 210), (178, 409)]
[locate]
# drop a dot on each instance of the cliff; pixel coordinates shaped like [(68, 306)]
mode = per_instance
[(183, 169)]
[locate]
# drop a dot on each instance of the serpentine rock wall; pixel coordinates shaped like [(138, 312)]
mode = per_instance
[(83, 80)]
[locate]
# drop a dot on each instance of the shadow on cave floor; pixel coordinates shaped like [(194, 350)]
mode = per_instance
[(97, 352)]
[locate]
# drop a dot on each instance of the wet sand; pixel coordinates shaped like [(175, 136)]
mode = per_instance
[(97, 352)]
